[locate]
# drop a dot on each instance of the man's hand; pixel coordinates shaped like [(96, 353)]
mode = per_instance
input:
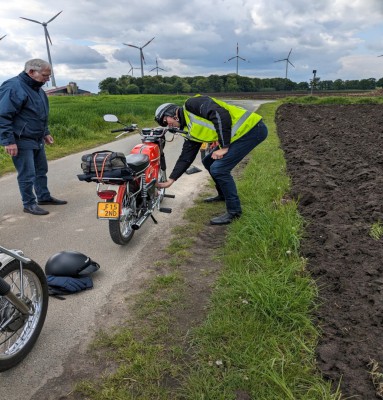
[(11, 149), (218, 154), (164, 185), (48, 139)]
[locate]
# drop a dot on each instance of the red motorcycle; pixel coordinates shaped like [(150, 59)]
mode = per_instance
[(126, 184)]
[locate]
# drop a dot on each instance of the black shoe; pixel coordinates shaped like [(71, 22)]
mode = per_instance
[(224, 219), (53, 201), (193, 170), (214, 199), (35, 210)]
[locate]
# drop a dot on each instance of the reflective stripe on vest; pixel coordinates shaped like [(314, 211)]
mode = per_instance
[(203, 130)]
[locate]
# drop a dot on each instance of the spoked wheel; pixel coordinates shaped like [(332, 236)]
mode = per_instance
[(121, 231), (18, 333)]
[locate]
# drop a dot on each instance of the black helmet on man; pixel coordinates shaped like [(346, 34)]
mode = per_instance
[(166, 109), (70, 263)]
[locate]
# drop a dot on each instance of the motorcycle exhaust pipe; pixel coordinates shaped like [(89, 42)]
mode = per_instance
[(137, 225)]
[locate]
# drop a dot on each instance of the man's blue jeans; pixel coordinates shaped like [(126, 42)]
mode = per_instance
[(220, 170), (32, 168)]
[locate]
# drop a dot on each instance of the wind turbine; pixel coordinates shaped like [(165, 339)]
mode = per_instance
[(141, 54), (287, 62), (237, 57), (131, 68), (47, 37), (157, 68)]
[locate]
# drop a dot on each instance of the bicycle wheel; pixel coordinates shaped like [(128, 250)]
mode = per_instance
[(121, 230), (19, 333)]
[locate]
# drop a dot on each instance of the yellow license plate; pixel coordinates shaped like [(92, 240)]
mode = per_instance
[(106, 210)]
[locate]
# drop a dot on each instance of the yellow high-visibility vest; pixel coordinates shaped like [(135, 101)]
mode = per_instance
[(202, 130)]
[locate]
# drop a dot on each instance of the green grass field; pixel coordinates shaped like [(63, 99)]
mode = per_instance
[(76, 123)]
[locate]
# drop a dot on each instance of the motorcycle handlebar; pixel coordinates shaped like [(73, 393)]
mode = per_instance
[(176, 130), (126, 129), (163, 131)]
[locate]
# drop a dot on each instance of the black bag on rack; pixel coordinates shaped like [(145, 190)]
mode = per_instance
[(105, 160)]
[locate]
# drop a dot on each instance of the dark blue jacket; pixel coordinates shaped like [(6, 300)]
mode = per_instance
[(24, 110)]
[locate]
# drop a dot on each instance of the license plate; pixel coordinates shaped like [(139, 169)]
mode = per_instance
[(107, 210)]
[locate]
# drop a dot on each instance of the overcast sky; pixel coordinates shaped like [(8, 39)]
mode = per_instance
[(341, 39)]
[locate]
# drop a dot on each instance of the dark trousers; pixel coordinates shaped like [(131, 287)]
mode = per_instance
[(220, 170), (32, 168)]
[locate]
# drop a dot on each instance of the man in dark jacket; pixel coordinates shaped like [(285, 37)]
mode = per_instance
[(207, 119), (24, 110)]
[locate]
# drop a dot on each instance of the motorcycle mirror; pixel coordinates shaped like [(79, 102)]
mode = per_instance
[(110, 118)]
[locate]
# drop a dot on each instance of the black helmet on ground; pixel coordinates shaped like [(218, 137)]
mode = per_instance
[(70, 263), (166, 109)]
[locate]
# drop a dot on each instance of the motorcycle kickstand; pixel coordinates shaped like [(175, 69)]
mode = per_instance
[(154, 220)]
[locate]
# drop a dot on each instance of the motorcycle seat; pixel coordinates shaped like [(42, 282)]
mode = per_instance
[(137, 162)]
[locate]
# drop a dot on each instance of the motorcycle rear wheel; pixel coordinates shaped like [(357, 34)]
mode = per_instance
[(18, 337), (121, 230)]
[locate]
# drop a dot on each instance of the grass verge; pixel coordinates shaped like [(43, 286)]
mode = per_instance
[(257, 339)]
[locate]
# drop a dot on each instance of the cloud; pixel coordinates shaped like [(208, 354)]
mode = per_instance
[(76, 57), (197, 37)]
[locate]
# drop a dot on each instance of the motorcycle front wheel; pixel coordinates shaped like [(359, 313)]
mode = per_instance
[(121, 230), (18, 333)]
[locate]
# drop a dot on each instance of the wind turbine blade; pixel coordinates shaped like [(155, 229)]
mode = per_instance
[(291, 63), (237, 48), (242, 58), (55, 16), (130, 64), (289, 53), (381, 55), (3, 37), (37, 22), (147, 43), (232, 58), (283, 59), (47, 35), (131, 45)]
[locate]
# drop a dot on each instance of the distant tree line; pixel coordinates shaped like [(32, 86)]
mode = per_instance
[(232, 83)]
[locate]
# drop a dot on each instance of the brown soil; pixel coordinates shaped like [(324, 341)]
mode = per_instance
[(334, 156)]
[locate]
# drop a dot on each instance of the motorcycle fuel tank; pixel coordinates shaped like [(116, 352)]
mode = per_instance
[(153, 152)]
